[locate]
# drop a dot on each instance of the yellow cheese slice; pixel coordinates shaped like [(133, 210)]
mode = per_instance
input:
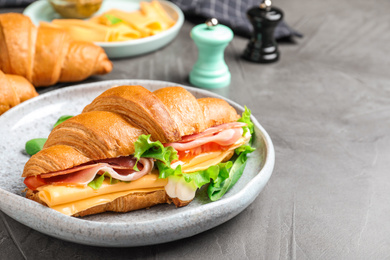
[(213, 158), (54, 195), (80, 205)]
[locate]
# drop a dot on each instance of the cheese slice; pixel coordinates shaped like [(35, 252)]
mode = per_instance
[(54, 195), (80, 205), (213, 158)]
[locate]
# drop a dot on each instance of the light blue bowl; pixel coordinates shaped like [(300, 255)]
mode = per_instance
[(42, 11)]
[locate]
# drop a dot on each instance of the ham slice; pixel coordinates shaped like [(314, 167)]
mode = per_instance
[(119, 168), (225, 137), (211, 131), (127, 162)]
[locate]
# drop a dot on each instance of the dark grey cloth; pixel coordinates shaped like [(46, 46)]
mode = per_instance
[(14, 3), (231, 13)]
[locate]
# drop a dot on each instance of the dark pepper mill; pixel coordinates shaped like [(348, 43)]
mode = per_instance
[(262, 47)]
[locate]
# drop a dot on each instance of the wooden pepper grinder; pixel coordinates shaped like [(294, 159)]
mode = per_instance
[(210, 70), (262, 47)]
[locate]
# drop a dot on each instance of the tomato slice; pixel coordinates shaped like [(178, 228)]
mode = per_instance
[(188, 155), (33, 182)]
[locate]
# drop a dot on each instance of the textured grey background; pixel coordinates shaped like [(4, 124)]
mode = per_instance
[(326, 106)]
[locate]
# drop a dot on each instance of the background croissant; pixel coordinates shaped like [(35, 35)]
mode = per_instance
[(46, 55), (14, 90)]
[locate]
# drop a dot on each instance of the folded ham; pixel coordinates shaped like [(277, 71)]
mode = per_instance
[(121, 168), (224, 135)]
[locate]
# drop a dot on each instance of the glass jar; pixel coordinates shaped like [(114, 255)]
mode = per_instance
[(76, 8)]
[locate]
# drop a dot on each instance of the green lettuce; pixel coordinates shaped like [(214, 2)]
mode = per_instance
[(246, 118), (226, 181), (144, 147), (244, 149), (61, 119), (98, 181), (199, 178), (34, 145)]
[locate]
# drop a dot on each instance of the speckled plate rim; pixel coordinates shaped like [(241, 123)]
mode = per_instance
[(165, 229)]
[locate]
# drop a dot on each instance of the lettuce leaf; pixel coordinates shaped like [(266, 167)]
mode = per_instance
[(98, 181), (244, 149), (226, 181), (61, 119), (223, 183), (144, 147), (246, 118), (165, 170), (34, 145), (199, 178)]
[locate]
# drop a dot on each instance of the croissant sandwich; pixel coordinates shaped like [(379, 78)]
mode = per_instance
[(131, 149), (14, 90), (46, 55)]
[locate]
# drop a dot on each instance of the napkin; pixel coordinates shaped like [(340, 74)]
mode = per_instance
[(231, 13), (15, 3)]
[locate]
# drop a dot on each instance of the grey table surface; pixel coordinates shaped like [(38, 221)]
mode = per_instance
[(326, 107)]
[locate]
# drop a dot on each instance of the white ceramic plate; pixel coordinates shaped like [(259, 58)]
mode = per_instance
[(42, 11), (162, 223)]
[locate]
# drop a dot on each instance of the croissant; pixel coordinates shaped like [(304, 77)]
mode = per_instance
[(14, 90), (107, 132), (46, 55)]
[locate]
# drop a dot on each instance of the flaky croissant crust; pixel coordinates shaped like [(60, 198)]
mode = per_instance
[(109, 126)]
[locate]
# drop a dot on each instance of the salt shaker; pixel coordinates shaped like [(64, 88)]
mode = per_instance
[(262, 47), (210, 70)]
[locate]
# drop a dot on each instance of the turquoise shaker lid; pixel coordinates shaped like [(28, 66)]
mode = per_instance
[(210, 70), (216, 34)]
